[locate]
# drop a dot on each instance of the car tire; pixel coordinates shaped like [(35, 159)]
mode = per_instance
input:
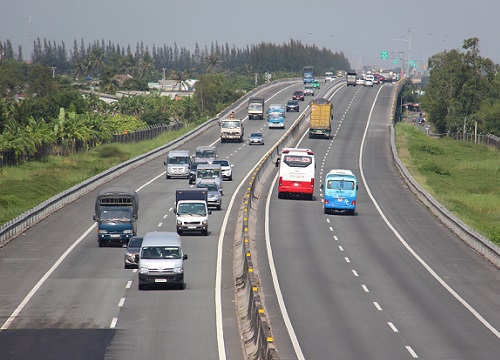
[(179, 232), (141, 286), (205, 232), (101, 243), (230, 178), (181, 286)]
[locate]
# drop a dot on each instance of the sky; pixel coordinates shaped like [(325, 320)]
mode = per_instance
[(360, 29)]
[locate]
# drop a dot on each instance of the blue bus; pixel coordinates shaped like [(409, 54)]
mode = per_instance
[(308, 74), (340, 191)]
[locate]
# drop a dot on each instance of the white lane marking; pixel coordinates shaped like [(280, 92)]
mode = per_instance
[(122, 301), (40, 282), (335, 238), (165, 216), (365, 288), (393, 327), (406, 245), (347, 260), (341, 248), (412, 353), (355, 272), (159, 224), (377, 306), (113, 323), (277, 288), (328, 220), (129, 284), (331, 229)]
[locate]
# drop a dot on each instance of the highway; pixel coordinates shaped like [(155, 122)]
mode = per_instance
[(68, 298), (388, 283), (352, 286)]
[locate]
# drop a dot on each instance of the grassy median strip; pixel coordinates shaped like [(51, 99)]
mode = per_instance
[(464, 177), (25, 186)]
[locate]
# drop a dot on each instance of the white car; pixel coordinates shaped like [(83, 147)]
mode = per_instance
[(360, 81), (368, 82), (226, 167)]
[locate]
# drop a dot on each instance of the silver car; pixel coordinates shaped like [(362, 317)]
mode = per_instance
[(214, 194), (256, 138), (133, 248)]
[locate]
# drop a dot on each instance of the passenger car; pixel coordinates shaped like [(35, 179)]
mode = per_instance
[(214, 195), (368, 82), (360, 81), (256, 138), (308, 90), (292, 105), (315, 84), (192, 170), (298, 95), (226, 167), (133, 248)]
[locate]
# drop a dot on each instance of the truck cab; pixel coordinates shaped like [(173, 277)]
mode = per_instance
[(191, 210), (231, 129), (205, 153), (116, 214)]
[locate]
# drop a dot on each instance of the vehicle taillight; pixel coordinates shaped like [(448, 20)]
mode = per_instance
[(312, 183), (280, 182), (326, 201), (354, 203)]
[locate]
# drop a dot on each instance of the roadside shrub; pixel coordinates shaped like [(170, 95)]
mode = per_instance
[(431, 167)]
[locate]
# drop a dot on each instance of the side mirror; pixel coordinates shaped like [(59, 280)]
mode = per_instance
[(136, 258), (94, 217), (184, 257), (321, 186), (209, 212), (164, 163), (356, 186), (278, 162), (175, 211)]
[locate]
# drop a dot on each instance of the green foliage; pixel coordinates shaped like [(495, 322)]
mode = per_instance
[(459, 83), (111, 151), (462, 176)]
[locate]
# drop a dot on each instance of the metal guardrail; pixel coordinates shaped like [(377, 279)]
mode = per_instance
[(14, 227)]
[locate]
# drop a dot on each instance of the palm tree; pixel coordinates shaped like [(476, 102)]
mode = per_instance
[(214, 62), (180, 78)]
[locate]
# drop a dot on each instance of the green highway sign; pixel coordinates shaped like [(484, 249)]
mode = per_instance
[(395, 61), (411, 62), (384, 54)]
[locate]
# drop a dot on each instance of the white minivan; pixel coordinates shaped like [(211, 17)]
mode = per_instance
[(161, 260)]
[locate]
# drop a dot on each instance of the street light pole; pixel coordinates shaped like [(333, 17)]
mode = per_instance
[(53, 71)]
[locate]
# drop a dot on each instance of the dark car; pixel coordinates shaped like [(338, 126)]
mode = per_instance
[(192, 170), (292, 105), (133, 248), (298, 95)]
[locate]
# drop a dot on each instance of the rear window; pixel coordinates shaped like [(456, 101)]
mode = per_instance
[(297, 160)]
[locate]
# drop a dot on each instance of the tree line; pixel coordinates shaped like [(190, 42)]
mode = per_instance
[(463, 91)]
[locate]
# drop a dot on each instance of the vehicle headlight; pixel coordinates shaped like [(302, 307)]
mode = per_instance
[(143, 270), (129, 231), (178, 270), (205, 222), (128, 254), (179, 222), (102, 231)]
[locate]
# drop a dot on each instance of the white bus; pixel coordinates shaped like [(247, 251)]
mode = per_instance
[(296, 174)]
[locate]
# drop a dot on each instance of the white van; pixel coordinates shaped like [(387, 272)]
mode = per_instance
[(161, 260)]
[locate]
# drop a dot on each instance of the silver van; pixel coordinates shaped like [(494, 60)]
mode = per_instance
[(161, 260)]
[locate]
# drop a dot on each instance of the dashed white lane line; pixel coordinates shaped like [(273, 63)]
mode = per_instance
[(121, 302), (129, 284), (412, 353), (335, 238), (113, 323), (355, 272), (347, 260), (377, 306), (365, 288), (165, 216), (328, 220), (393, 327), (341, 248), (331, 229), (160, 224)]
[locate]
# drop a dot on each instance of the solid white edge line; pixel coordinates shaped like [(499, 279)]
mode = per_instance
[(405, 244)]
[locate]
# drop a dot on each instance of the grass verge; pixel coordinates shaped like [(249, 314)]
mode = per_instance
[(24, 187), (462, 176)]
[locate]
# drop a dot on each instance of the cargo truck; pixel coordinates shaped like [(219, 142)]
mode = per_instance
[(351, 78), (116, 214), (320, 118), (256, 108), (231, 129), (191, 210)]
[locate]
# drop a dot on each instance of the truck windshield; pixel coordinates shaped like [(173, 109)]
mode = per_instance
[(230, 124), (192, 209), (205, 154), (115, 214)]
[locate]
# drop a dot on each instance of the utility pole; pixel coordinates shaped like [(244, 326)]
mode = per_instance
[(163, 79), (405, 68), (53, 71)]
